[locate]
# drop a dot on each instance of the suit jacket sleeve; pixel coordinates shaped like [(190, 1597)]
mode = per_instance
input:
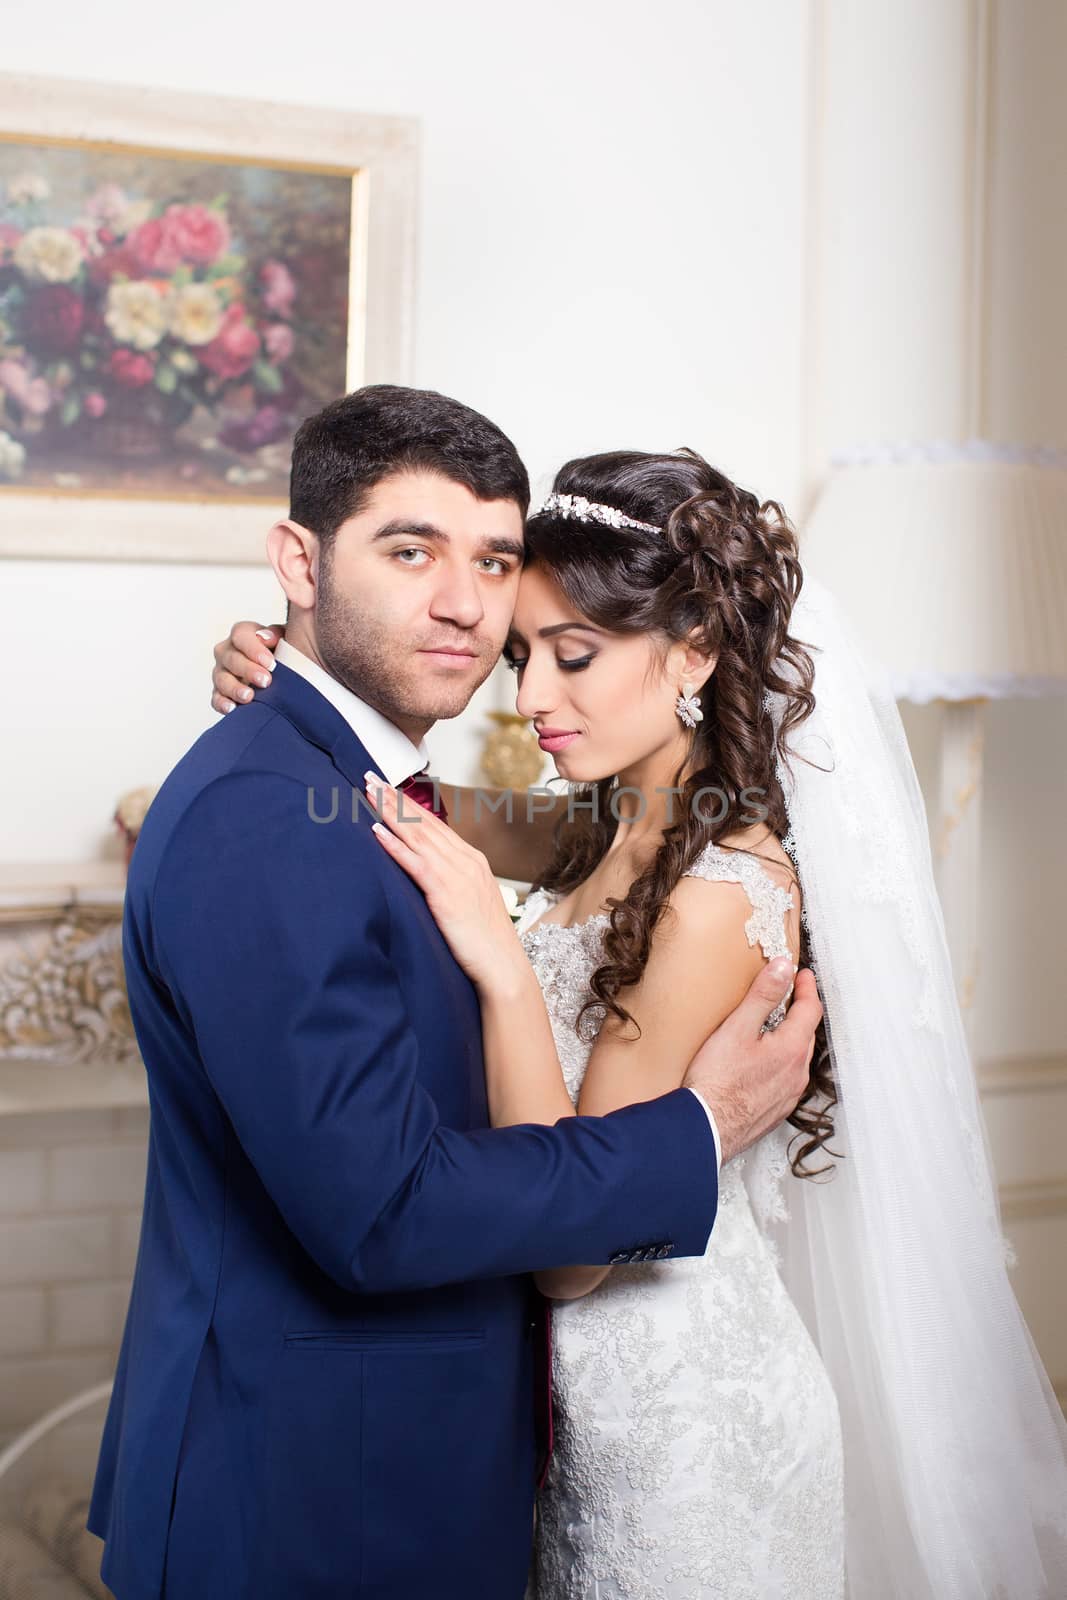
[(272, 936)]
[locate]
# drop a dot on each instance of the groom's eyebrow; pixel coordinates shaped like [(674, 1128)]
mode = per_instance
[(403, 528)]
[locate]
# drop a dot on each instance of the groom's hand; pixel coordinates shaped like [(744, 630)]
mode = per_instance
[(752, 1081)]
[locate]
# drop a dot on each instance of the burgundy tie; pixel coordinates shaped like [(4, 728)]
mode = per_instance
[(421, 790)]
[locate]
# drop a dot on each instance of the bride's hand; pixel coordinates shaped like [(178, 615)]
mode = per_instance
[(243, 662), (460, 889)]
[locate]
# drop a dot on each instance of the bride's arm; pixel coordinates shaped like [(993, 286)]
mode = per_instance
[(511, 827), (523, 1076), (699, 969)]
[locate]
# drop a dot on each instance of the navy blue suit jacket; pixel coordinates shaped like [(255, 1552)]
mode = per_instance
[(325, 1381)]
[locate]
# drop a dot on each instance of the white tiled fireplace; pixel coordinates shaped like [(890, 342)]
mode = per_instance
[(73, 1131)]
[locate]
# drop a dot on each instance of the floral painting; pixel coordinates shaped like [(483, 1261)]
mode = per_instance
[(166, 320)]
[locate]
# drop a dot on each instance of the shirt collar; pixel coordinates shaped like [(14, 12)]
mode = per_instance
[(394, 755)]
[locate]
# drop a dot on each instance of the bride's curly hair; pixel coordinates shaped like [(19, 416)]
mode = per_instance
[(725, 573)]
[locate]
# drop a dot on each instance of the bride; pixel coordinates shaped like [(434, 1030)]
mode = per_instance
[(844, 1382)]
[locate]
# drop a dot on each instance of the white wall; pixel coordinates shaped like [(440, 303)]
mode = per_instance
[(610, 254)]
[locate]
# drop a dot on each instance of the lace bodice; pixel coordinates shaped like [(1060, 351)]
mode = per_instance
[(698, 1447)]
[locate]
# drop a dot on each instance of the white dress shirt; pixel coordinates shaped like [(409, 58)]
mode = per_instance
[(394, 755), (714, 1128)]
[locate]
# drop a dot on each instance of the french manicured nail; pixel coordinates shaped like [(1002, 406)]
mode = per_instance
[(373, 777), (246, 694), (263, 679), (268, 662), (265, 633)]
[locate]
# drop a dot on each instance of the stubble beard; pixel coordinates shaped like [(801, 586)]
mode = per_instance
[(363, 654)]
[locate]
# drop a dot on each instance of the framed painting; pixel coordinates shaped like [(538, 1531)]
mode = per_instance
[(183, 278)]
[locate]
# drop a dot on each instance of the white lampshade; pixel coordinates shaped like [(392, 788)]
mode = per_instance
[(953, 570)]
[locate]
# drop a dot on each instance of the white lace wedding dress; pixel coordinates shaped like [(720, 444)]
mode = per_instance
[(698, 1449)]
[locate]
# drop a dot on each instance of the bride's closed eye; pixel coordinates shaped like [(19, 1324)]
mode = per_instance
[(573, 664)]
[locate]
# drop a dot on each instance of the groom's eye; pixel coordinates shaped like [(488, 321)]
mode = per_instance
[(412, 550)]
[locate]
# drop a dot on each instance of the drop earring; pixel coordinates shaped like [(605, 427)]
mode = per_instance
[(688, 706)]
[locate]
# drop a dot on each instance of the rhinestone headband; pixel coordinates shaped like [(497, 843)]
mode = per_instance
[(576, 505)]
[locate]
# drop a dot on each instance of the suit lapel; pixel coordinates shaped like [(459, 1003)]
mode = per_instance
[(317, 721), (321, 723)]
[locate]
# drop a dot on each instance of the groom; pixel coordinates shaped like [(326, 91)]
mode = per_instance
[(325, 1387)]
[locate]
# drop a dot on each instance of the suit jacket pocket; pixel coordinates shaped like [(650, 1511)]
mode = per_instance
[(387, 1341)]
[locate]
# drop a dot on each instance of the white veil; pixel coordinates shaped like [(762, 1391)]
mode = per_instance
[(955, 1447)]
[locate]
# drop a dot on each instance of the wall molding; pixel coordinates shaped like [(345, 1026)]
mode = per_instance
[(1027, 1202), (1022, 1074)]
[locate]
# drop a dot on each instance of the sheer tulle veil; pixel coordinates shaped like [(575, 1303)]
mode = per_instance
[(955, 1446)]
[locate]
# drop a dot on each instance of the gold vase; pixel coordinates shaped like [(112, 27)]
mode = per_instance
[(511, 757)]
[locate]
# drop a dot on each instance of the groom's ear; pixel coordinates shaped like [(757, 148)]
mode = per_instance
[(293, 552)]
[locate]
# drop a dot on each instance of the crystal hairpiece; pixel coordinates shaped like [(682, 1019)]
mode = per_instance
[(576, 505)]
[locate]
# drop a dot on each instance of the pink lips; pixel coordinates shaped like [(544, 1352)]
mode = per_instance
[(450, 658), (553, 739)]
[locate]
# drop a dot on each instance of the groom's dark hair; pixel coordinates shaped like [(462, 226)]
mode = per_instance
[(344, 450)]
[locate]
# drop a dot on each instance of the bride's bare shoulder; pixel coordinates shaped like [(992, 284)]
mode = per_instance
[(751, 871)]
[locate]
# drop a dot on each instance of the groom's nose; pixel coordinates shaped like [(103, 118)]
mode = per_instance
[(456, 597)]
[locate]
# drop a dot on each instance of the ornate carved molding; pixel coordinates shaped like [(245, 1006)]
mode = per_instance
[(62, 988)]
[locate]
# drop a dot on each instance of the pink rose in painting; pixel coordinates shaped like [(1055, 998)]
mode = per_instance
[(9, 238), (150, 248), (32, 394), (94, 404), (130, 368), (234, 347), (13, 377), (194, 234), (53, 318), (198, 234), (277, 287), (278, 341)]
